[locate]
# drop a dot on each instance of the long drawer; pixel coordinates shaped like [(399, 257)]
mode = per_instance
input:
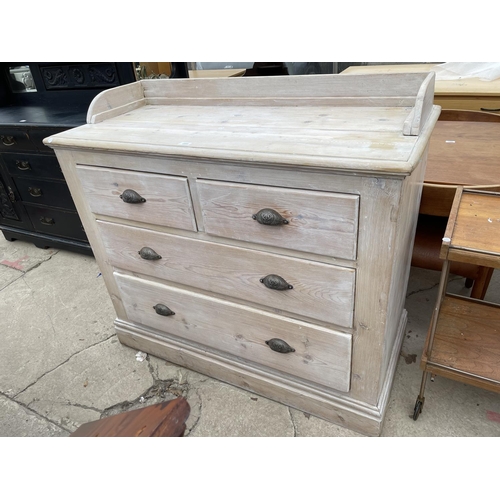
[(320, 291), (164, 200), (319, 355), (317, 222)]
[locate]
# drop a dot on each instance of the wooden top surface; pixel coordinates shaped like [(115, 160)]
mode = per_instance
[(464, 153), (477, 225), (463, 86), (320, 121)]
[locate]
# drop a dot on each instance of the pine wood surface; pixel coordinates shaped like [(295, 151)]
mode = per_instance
[(322, 292), (313, 141), (321, 355), (168, 201), (319, 222), (327, 134)]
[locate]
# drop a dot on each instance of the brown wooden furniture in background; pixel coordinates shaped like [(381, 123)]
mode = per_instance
[(160, 420), (463, 342), (464, 151), (463, 93)]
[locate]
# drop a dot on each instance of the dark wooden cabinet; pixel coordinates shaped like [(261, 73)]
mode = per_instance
[(38, 100)]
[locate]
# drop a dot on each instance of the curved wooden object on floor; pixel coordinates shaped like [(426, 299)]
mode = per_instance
[(161, 420)]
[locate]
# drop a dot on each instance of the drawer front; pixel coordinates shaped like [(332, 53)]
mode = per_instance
[(320, 291), (317, 222), (30, 165), (321, 355), (42, 192), (56, 222), (12, 139), (168, 201)]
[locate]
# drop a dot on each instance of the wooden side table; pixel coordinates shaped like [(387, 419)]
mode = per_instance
[(463, 342)]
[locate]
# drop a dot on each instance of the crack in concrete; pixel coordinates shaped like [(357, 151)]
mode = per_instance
[(40, 263), (26, 407), (422, 290), (60, 364), (451, 280), (83, 407), (200, 407), (159, 390), (294, 426)]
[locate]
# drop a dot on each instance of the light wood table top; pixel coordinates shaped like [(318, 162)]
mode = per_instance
[(472, 86), (216, 73)]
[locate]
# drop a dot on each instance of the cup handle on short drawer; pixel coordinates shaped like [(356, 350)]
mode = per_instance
[(163, 310), (279, 345), (131, 196), (269, 217)]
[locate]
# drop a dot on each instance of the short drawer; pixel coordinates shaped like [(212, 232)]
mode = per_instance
[(24, 164), (13, 139), (43, 192), (167, 200), (317, 222), (320, 291), (56, 222), (320, 355)]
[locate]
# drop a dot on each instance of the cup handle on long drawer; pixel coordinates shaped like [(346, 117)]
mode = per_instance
[(163, 310), (148, 254), (275, 282), (279, 345), (269, 217), (131, 196)]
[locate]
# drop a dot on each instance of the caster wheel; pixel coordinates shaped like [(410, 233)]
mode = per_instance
[(418, 408)]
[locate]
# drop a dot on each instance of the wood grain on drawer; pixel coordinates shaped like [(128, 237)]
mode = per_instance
[(318, 222), (168, 201), (321, 355), (320, 291)]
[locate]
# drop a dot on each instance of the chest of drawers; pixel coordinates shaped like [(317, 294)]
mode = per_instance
[(35, 202), (260, 230)]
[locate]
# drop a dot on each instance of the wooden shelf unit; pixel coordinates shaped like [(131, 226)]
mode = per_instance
[(463, 342)]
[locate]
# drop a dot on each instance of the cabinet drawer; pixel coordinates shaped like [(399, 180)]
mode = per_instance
[(12, 139), (30, 165), (321, 355), (317, 222), (42, 192), (56, 222), (320, 291), (168, 201)]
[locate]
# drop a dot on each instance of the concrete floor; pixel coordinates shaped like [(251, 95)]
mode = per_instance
[(61, 364)]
